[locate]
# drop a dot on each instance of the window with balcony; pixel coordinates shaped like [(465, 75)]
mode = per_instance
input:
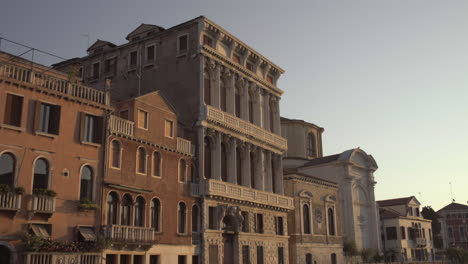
[(86, 183), (142, 119), (222, 95), (156, 214), (208, 41), (311, 145), (306, 219), (238, 167), (7, 170), (141, 160), (182, 218), (207, 158), (402, 231), (331, 222), (41, 174), (169, 128), (224, 169), (140, 211), (259, 223), (391, 232), (126, 210), (207, 87), (91, 128), (47, 118), (13, 110), (110, 66), (115, 154), (195, 219), (182, 44), (182, 170), (156, 164), (112, 207)]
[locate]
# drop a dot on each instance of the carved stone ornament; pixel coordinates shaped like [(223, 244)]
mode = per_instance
[(318, 216)]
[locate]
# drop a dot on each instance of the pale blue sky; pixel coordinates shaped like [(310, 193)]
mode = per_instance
[(389, 76)]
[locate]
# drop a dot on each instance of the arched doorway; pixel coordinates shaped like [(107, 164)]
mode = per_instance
[(5, 255)]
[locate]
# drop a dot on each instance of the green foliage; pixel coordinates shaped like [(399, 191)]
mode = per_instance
[(4, 189), (428, 213), (32, 243), (86, 204), (457, 255), (19, 190), (350, 248), (367, 254), (44, 192)]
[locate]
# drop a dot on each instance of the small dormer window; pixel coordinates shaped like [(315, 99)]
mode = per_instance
[(207, 41), (150, 53), (96, 69), (182, 44), (417, 212)]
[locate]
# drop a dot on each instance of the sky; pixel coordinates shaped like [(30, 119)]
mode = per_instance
[(388, 76)]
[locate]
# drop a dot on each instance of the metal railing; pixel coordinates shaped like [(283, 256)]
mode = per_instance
[(10, 201), (56, 257), (53, 83), (245, 127), (131, 234)]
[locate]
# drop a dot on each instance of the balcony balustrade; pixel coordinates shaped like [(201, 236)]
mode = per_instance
[(49, 82), (121, 126), (229, 190), (232, 122), (43, 204), (56, 257), (130, 234), (10, 201), (421, 241), (184, 146)]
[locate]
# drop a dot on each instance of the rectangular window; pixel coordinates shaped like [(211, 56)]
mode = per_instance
[(154, 259), (168, 128), (95, 70), (124, 114), (133, 59), (245, 255), (195, 259), (213, 254), (402, 231), (13, 110), (269, 78), (391, 233), (182, 259), (47, 118), (279, 225), (259, 255), (245, 222), (207, 41), (182, 44), (280, 255), (142, 119), (137, 259), (236, 58), (150, 53), (110, 66), (211, 217), (249, 66), (91, 127), (259, 223)]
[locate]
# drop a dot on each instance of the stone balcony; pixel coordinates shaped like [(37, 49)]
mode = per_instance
[(130, 234), (56, 257), (126, 128), (43, 204), (239, 125), (233, 191), (421, 242), (52, 83), (10, 201)]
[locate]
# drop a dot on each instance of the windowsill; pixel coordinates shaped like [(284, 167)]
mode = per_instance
[(94, 80), (92, 144), (114, 168), (149, 65), (169, 137), (44, 134), (181, 54), (183, 235), (132, 69), (12, 127), (141, 173), (157, 177)]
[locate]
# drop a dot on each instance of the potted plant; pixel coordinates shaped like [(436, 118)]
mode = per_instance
[(87, 205), (44, 192)]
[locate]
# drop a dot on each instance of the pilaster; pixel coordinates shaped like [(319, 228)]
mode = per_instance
[(268, 172)]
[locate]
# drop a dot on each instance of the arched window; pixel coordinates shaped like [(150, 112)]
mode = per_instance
[(306, 218), (86, 183), (207, 88), (195, 218), (308, 258), (181, 212), (156, 214), (140, 211), (252, 170), (112, 205), (182, 170), (222, 95), (331, 222), (156, 164), (115, 153), (41, 174), (141, 160), (311, 145), (7, 170), (333, 258), (207, 159), (251, 107), (237, 103), (238, 167), (126, 210), (224, 170)]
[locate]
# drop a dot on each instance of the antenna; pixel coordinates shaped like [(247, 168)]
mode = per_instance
[(451, 192)]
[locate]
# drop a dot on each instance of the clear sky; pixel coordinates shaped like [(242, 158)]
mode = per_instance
[(388, 76)]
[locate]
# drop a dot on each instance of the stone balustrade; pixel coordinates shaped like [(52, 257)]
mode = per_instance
[(121, 126), (10, 201), (229, 190), (421, 241), (43, 204), (130, 234), (53, 83), (57, 257), (184, 146), (237, 124)]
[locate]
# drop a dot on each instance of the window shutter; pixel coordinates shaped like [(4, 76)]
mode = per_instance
[(8, 109), (37, 115), (55, 120), (99, 129), (82, 126)]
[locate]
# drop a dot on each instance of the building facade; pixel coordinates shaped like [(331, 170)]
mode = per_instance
[(454, 225), (406, 235), (227, 102), (51, 150), (353, 171), (149, 214), (314, 231)]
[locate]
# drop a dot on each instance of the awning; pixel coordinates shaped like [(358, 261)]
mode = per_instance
[(40, 231), (87, 233)]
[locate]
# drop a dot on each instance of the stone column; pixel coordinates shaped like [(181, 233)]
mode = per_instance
[(231, 159), (215, 88), (245, 154), (259, 177), (257, 109), (245, 100), (230, 92), (276, 115), (216, 160), (278, 174), (266, 110), (268, 172)]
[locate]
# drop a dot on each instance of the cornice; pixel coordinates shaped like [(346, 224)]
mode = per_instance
[(149, 143), (306, 179)]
